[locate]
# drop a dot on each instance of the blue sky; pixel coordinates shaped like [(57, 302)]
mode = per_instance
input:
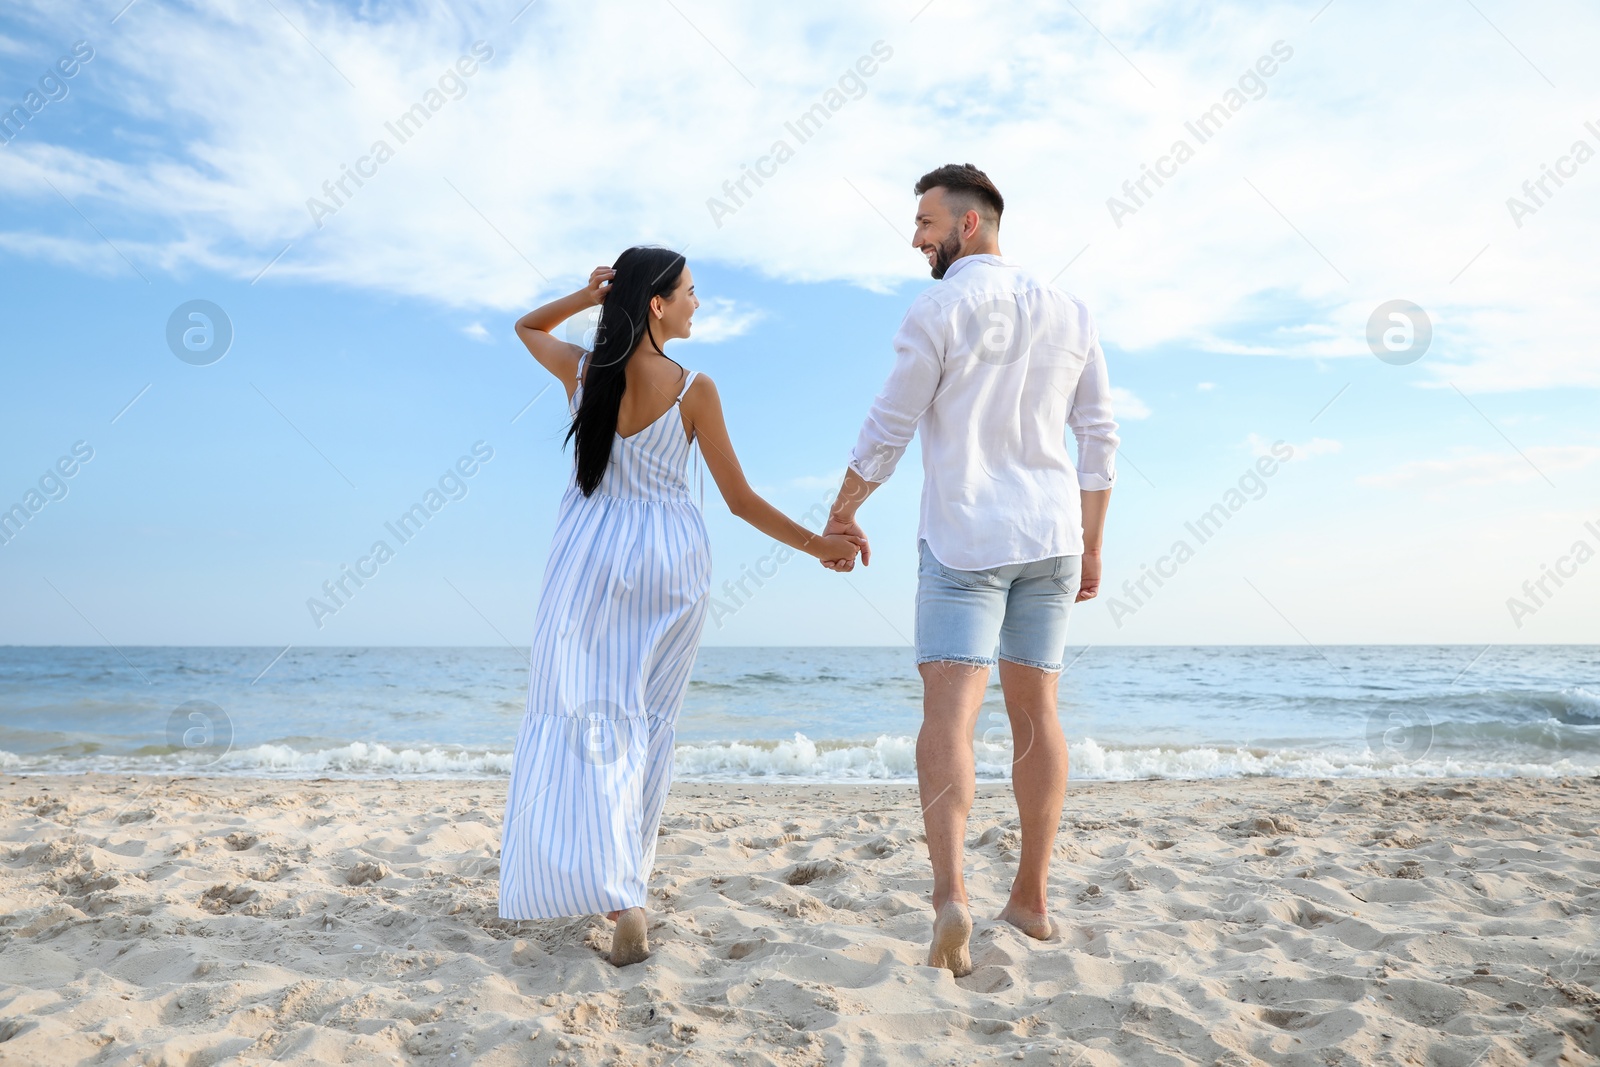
[(376, 350)]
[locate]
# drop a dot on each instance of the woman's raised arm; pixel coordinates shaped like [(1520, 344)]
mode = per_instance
[(559, 357)]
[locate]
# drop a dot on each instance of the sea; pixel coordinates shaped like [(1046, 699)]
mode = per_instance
[(811, 714)]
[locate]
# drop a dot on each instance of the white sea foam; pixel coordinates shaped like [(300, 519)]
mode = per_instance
[(358, 759), (371, 760), (890, 758), (887, 758)]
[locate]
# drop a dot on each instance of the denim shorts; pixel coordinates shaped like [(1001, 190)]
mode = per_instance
[(1022, 607)]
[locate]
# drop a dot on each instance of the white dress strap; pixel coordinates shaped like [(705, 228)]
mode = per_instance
[(699, 460), (577, 389)]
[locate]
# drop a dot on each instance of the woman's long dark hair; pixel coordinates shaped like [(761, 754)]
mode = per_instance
[(642, 273)]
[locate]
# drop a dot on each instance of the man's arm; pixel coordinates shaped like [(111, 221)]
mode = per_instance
[(842, 516), (890, 424), (1096, 431), (1095, 503)]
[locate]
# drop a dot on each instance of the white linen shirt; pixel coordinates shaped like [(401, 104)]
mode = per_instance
[(992, 365)]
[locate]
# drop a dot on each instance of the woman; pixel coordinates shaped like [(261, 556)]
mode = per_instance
[(623, 601)]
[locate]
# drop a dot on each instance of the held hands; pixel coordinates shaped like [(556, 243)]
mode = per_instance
[(837, 552), (848, 534)]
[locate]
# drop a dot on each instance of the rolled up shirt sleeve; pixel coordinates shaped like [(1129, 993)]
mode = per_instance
[(892, 420), (1092, 424)]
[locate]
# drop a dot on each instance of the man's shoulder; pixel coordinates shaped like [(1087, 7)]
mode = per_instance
[(1030, 280), (942, 306), (991, 278), (997, 274)]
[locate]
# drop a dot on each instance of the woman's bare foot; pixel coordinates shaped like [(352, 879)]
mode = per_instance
[(630, 942), (952, 930), (1035, 924)]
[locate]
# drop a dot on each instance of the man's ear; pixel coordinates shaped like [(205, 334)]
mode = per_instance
[(971, 223)]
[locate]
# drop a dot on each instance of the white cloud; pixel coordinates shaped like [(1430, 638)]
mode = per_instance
[(1205, 387), (477, 332), (1125, 405), (1478, 468), (720, 319), (1317, 446), (1305, 211), (819, 482), (820, 488)]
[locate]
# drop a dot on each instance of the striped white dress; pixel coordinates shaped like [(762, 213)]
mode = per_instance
[(619, 620)]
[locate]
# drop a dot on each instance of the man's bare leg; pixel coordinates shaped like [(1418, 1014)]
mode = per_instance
[(952, 694), (1039, 780)]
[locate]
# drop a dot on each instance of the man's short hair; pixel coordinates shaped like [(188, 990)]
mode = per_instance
[(970, 186)]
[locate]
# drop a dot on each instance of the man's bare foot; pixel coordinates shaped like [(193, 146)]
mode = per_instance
[(1037, 926), (612, 915), (952, 930), (630, 942)]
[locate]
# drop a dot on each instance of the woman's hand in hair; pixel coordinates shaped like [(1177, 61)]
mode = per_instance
[(537, 327), (599, 284)]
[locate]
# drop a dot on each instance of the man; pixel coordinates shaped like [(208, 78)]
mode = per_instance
[(992, 366)]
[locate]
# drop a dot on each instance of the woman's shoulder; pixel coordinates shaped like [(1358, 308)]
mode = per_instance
[(697, 384)]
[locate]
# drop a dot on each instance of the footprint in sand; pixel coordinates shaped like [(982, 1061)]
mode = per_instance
[(811, 871), (740, 949), (1266, 825), (221, 899), (365, 872), (987, 979)]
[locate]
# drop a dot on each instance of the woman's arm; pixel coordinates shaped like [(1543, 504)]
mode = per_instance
[(559, 357), (704, 408)]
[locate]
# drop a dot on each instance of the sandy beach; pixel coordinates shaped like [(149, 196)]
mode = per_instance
[(202, 921)]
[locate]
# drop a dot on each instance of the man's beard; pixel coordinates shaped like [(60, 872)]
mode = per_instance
[(944, 254)]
